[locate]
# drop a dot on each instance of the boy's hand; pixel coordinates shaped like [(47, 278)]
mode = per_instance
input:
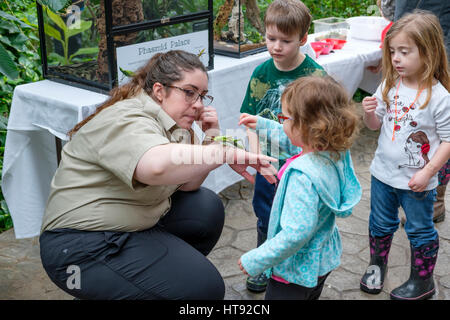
[(242, 268), (369, 104), (248, 120)]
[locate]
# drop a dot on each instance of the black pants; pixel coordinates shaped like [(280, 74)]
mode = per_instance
[(282, 291), (166, 261)]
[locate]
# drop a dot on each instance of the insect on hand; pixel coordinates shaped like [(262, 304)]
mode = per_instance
[(230, 141)]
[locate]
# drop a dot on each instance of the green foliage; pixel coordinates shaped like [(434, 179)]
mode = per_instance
[(360, 95), (55, 5), (65, 34), (340, 8), (20, 41), (7, 67)]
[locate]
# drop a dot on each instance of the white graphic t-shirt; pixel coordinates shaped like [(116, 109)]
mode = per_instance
[(406, 145)]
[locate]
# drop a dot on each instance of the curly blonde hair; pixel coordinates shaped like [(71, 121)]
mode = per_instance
[(322, 112)]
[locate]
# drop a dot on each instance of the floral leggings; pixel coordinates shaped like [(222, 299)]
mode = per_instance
[(444, 174)]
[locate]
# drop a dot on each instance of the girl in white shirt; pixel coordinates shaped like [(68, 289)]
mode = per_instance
[(412, 110)]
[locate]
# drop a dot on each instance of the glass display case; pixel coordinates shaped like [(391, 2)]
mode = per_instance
[(239, 27), (331, 27), (98, 44)]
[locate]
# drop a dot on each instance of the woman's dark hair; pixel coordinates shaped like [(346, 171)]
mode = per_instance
[(165, 68)]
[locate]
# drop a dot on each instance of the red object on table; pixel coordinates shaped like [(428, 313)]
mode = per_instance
[(327, 47), (337, 43), (317, 47), (321, 47)]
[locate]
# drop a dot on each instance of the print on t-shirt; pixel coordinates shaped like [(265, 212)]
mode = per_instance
[(416, 145)]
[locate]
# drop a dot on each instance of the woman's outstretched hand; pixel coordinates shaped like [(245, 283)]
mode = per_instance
[(239, 160)]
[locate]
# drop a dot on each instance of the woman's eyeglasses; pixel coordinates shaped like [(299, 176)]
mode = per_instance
[(282, 117), (192, 96)]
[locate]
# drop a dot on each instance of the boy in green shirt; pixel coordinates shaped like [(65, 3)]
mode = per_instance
[(287, 23)]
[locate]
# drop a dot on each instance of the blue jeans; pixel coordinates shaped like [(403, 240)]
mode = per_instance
[(262, 203), (418, 206)]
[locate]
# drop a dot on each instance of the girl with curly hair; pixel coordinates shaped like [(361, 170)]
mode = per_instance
[(318, 184)]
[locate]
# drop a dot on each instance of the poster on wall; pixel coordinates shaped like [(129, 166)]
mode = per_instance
[(132, 57)]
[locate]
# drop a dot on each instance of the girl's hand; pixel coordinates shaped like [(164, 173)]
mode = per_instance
[(371, 120), (420, 180), (248, 120), (242, 268), (209, 121), (369, 104)]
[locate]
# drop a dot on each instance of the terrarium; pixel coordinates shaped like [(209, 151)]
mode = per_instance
[(331, 27), (239, 27), (98, 44)]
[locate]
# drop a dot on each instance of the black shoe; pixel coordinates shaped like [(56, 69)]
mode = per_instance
[(257, 284), (420, 285), (373, 279)]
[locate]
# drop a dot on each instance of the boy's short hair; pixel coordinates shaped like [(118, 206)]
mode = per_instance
[(289, 16), (322, 113)]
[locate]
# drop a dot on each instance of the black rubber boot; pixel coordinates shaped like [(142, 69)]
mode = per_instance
[(420, 285), (258, 283), (373, 280)]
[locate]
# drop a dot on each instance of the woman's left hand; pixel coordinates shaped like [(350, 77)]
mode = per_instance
[(420, 180), (209, 121)]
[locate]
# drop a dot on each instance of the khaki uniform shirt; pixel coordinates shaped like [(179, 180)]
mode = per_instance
[(93, 187)]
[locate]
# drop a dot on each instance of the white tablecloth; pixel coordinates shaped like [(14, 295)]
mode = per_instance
[(45, 109)]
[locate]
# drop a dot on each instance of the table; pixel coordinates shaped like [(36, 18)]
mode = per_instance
[(46, 109)]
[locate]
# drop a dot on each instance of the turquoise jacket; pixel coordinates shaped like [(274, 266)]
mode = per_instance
[(303, 241)]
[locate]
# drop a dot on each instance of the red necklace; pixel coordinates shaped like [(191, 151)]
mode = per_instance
[(396, 119)]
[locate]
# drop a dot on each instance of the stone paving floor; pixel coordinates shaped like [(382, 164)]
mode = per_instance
[(22, 275)]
